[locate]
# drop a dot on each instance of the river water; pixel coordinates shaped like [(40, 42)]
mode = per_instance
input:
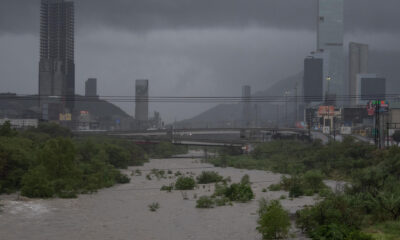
[(122, 212)]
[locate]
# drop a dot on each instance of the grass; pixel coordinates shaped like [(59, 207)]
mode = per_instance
[(385, 231)]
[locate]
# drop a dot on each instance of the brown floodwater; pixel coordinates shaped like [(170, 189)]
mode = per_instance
[(121, 212)]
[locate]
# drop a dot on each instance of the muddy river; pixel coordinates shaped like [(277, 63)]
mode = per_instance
[(122, 212)]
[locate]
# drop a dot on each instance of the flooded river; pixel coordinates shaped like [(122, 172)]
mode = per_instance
[(122, 212)]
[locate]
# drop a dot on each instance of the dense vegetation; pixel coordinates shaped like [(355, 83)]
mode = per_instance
[(209, 177), (165, 150), (185, 183), (273, 221), (49, 161), (307, 184), (224, 193), (368, 206)]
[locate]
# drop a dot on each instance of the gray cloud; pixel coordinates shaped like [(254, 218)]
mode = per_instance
[(187, 47), (143, 15)]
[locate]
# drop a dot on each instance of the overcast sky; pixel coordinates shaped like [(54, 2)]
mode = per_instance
[(185, 47)]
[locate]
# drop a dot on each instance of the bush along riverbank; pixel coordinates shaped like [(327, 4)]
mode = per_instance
[(367, 208), (49, 161)]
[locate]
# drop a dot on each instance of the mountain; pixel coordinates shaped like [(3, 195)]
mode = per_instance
[(14, 106), (384, 63), (230, 115)]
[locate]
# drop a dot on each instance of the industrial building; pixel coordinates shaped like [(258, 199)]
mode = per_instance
[(56, 65)]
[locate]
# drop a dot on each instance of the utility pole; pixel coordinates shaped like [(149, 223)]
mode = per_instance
[(387, 132), (295, 105), (309, 123), (334, 129), (286, 93), (277, 115)]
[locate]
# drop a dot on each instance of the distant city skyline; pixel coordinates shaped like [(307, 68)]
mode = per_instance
[(215, 56)]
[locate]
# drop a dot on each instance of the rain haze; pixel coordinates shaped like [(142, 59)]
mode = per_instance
[(185, 48)]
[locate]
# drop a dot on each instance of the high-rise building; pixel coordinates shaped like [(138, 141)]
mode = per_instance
[(313, 81), (91, 87), (330, 42), (370, 87), (358, 64), (56, 66), (142, 101), (246, 106)]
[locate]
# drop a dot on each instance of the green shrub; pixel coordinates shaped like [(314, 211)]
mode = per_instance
[(167, 188), (274, 187), (274, 221), (154, 206), (36, 184), (122, 178), (221, 201), (313, 180), (239, 192), (117, 155), (245, 180), (235, 192), (185, 183), (205, 202), (209, 177)]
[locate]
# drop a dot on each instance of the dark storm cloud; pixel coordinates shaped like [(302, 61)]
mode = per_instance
[(141, 15)]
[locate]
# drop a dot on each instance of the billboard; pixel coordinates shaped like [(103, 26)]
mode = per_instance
[(345, 130), (382, 105), (326, 110), (313, 80), (373, 88), (65, 117)]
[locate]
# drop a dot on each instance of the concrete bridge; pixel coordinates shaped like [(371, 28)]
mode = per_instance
[(237, 137)]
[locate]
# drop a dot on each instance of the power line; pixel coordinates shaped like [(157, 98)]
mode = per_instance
[(196, 99)]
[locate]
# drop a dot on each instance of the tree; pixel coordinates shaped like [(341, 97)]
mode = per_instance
[(396, 136), (6, 130), (274, 221)]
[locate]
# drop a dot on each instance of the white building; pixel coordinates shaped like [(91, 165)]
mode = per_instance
[(20, 123)]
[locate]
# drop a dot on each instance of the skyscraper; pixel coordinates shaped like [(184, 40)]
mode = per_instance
[(142, 101), (246, 105), (91, 87), (330, 42), (358, 64), (56, 66)]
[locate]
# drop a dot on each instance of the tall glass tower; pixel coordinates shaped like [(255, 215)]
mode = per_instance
[(330, 42), (56, 66)]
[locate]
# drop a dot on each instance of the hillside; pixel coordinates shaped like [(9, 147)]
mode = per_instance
[(13, 106)]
